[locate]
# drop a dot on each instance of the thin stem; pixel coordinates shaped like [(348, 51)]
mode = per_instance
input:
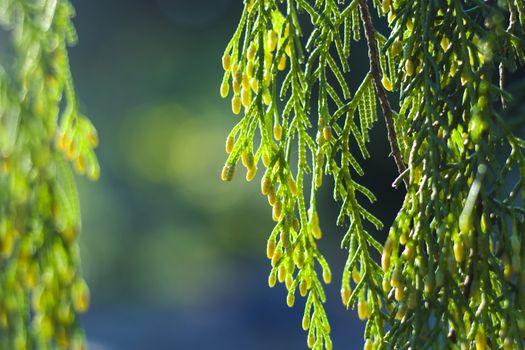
[(375, 70)]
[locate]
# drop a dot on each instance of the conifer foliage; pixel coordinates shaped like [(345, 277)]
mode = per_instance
[(42, 133), (452, 271)]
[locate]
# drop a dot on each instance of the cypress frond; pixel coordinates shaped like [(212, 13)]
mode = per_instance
[(461, 222), (43, 135)]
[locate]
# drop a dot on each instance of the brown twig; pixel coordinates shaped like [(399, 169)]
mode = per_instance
[(375, 69)]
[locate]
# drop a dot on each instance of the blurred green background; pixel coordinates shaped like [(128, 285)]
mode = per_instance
[(175, 258)]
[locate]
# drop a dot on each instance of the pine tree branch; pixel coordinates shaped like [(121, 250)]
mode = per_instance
[(375, 69)]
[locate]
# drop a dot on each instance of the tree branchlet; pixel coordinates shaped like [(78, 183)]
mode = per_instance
[(375, 70)]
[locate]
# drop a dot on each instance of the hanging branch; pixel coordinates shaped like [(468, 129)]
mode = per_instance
[(458, 280), (375, 70)]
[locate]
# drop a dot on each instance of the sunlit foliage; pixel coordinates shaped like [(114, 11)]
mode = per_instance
[(42, 135), (452, 270)]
